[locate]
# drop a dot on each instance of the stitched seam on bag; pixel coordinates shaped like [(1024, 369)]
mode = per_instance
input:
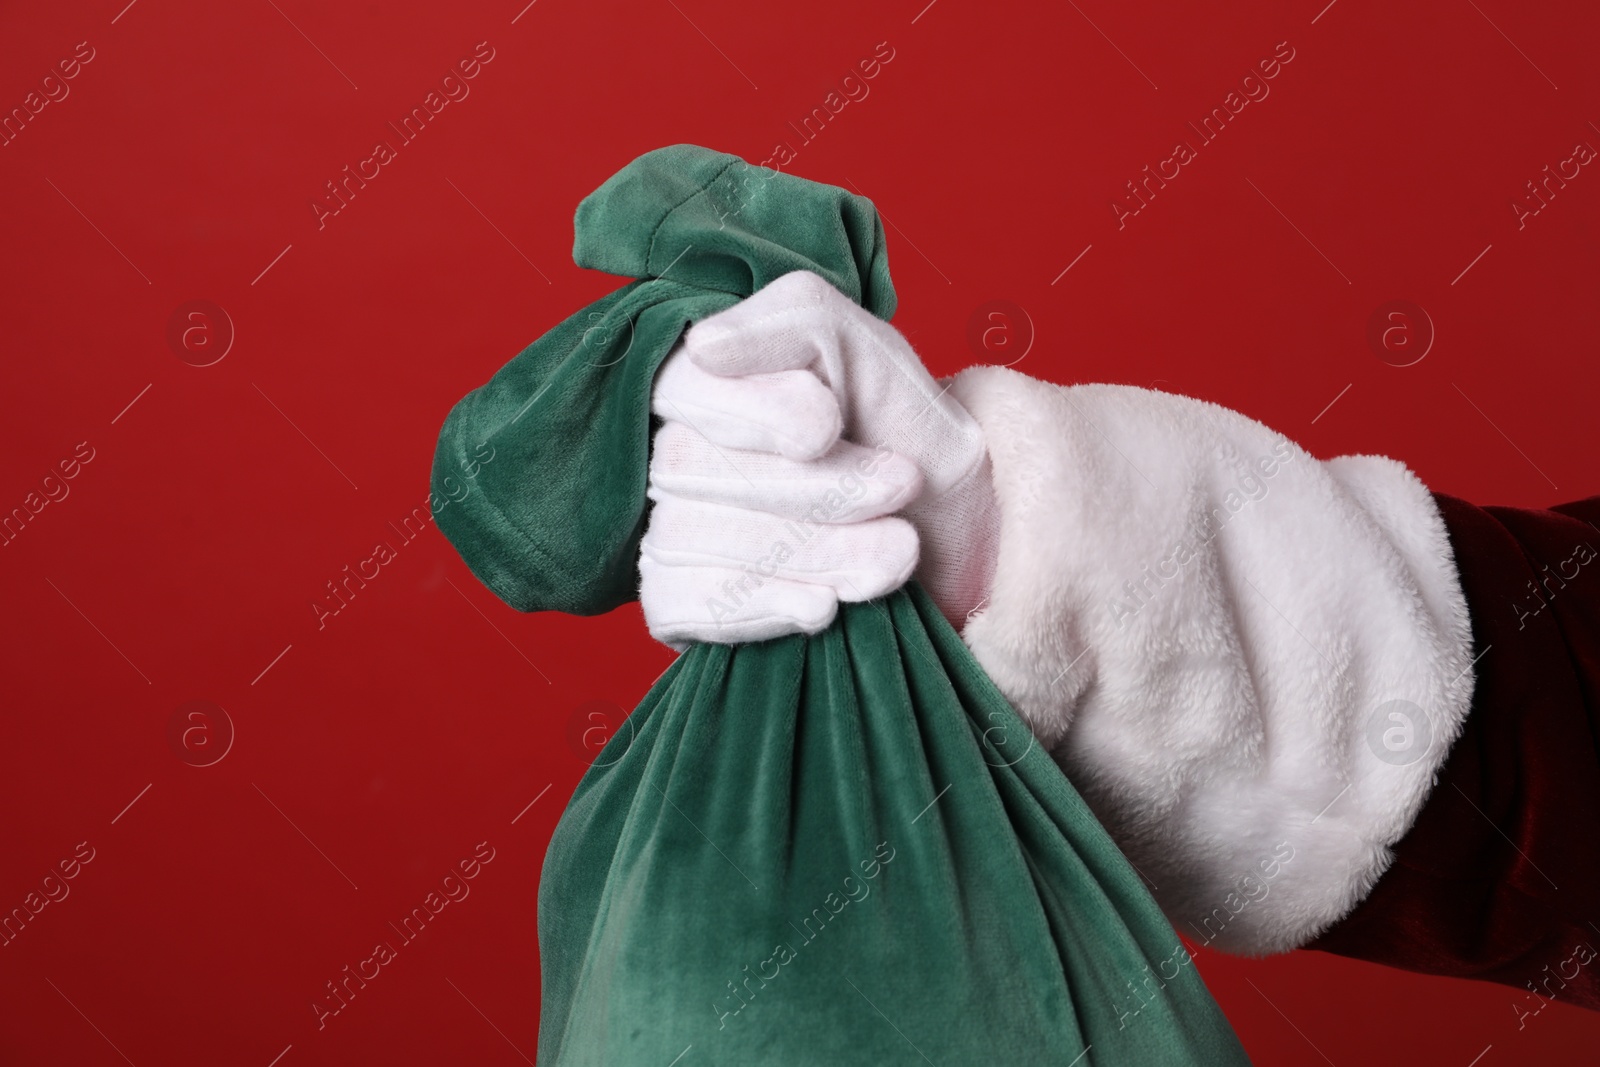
[(650, 250), (571, 586), (550, 563), (515, 532)]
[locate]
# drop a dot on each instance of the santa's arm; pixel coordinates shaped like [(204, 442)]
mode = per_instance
[(1256, 666), (1498, 877), (1250, 662)]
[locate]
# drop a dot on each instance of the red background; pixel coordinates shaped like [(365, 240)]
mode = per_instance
[(373, 754)]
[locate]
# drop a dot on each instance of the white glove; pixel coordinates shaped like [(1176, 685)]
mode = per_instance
[(746, 543), (756, 444)]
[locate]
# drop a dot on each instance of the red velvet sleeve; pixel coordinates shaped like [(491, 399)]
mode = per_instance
[(1499, 877)]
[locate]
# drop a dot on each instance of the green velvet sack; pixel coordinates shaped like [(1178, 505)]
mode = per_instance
[(830, 850)]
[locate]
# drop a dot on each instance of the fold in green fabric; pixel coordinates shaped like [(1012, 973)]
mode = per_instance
[(554, 521), (830, 850), (845, 849)]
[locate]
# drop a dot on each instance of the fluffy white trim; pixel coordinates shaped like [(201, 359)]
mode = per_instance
[(1207, 626)]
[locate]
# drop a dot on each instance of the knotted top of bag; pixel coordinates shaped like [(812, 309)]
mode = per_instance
[(539, 476)]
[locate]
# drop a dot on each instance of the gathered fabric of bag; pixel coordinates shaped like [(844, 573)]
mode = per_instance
[(827, 850)]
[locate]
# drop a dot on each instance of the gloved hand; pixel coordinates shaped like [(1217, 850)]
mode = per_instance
[(764, 533), (756, 400)]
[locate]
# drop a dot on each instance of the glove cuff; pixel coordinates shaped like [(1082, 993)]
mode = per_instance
[(959, 531)]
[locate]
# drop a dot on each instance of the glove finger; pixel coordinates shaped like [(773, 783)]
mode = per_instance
[(707, 604), (847, 484), (789, 413), (789, 324), (885, 394), (858, 561)]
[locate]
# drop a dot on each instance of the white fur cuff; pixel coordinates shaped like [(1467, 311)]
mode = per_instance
[(1251, 663)]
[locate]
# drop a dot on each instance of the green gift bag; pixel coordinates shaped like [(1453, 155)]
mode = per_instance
[(829, 850)]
